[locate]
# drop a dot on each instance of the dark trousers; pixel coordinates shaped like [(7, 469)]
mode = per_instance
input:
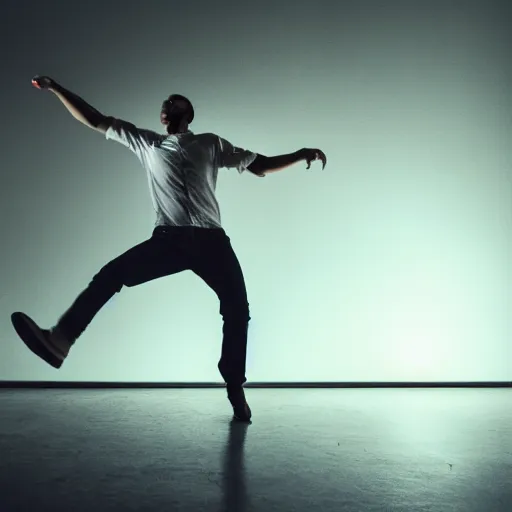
[(208, 253)]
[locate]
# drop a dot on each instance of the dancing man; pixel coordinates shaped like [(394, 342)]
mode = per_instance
[(182, 169)]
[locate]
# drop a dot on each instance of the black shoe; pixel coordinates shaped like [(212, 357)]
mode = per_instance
[(39, 341), (241, 409)]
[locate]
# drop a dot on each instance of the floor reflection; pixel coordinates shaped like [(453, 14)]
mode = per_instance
[(234, 485)]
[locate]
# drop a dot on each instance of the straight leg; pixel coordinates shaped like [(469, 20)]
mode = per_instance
[(217, 264)]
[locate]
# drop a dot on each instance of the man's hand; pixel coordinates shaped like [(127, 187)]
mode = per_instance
[(43, 82), (313, 154)]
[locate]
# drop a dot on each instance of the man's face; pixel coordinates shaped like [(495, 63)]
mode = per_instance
[(173, 110)]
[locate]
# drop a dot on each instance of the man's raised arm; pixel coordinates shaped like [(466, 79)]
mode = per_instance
[(77, 107)]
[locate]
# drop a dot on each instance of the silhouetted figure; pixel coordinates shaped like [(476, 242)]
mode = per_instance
[(182, 170)]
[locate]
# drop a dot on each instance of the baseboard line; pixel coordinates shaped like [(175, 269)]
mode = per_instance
[(20, 384)]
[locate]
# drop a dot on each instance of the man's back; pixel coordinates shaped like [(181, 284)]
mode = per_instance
[(182, 171)]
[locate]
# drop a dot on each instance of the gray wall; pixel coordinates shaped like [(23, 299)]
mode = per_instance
[(392, 264)]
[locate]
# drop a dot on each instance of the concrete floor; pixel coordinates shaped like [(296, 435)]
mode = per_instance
[(435, 450)]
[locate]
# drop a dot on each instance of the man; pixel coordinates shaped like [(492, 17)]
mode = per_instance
[(182, 170)]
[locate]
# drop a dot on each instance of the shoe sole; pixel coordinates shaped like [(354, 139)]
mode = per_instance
[(30, 334)]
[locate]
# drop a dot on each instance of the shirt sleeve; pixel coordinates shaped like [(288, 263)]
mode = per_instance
[(136, 139), (232, 157)]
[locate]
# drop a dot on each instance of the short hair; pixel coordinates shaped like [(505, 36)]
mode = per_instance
[(183, 98)]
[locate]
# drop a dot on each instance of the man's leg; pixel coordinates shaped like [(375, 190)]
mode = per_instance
[(217, 264), (159, 256)]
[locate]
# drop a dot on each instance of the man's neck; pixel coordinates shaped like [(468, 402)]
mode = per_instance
[(177, 131)]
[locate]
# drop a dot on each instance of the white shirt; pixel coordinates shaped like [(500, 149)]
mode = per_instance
[(182, 171)]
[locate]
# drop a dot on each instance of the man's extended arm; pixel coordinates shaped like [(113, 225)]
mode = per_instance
[(267, 164), (263, 165), (79, 109)]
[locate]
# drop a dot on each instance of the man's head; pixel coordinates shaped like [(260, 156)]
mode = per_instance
[(177, 113)]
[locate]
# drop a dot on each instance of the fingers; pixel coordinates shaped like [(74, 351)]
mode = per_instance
[(323, 158), (35, 82), (317, 154), (41, 82), (320, 155)]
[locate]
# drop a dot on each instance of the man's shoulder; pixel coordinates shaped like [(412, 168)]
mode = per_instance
[(118, 124)]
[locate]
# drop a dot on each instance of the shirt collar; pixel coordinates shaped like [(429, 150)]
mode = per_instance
[(188, 132)]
